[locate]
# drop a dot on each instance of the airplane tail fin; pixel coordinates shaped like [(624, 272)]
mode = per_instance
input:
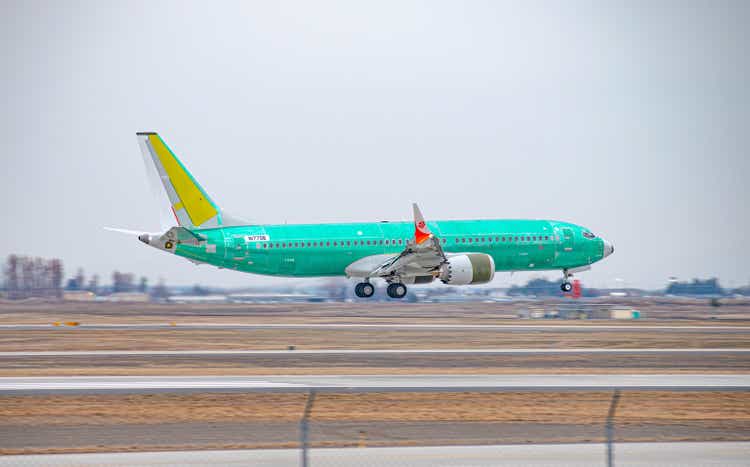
[(190, 204)]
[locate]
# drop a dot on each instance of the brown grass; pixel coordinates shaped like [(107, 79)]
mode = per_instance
[(65, 338), (565, 408)]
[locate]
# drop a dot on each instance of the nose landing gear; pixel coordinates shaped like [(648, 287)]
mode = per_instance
[(566, 286)]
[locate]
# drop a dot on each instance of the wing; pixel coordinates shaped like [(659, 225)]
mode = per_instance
[(422, 256)]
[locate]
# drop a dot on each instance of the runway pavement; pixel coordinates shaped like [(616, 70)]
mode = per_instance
[(475, 351), (728, 454), (369, 383), (392, 326)]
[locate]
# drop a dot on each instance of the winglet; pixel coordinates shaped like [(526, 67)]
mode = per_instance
[(421, 231)]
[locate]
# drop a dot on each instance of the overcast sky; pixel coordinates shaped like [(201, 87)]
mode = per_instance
[(630, 118)]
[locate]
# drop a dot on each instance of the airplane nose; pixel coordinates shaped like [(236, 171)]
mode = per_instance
[(608, 248)]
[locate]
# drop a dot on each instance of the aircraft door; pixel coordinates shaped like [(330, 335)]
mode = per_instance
[(568, 242), (257, 251)]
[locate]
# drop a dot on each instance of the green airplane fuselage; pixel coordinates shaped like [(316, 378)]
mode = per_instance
[(307, 250)]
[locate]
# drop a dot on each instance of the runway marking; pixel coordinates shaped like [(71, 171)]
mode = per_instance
[(111, 353), (371, 383), (551, 455)]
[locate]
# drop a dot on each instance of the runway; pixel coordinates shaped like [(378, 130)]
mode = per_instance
[(549, 455), (389, 326), (370, 383), (474, 351)]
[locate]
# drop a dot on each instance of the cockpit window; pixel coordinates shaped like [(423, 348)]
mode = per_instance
[(589, 235)]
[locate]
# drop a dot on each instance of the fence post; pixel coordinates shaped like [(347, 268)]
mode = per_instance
[(303, 428), (610, 428)]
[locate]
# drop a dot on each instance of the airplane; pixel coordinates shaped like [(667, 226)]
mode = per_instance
[(456, 252)]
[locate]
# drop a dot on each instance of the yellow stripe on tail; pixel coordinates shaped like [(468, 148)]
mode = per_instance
[(190, 203)]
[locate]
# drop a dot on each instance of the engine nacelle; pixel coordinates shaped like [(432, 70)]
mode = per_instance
[(471, 268)]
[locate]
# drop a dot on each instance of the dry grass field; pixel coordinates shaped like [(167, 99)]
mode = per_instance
[(373, 419), (71, 338)]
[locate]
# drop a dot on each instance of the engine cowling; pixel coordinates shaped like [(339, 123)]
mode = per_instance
[(471, 268)]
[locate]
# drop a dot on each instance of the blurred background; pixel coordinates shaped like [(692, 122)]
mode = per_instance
[(626, 118)]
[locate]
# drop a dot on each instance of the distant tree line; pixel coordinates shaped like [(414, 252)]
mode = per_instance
[(26, 277), (33, 277)]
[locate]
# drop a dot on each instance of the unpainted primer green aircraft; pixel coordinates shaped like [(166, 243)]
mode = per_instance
[(459, 252)]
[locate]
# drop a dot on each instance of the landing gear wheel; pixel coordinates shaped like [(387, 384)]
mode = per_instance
[(566, 286), (364, 290), (168, 245), (396, 290)]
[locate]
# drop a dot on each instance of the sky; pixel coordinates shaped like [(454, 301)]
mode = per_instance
[(630, 118)]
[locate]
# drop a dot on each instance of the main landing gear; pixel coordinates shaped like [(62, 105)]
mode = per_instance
[(396, 290), (566, 286), (364, 290)]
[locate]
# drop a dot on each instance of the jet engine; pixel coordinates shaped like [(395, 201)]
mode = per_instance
[(471, 268)]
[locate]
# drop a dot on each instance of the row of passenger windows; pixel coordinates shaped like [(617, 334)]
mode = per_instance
[(335, 243), (340, 243), (522, 238)]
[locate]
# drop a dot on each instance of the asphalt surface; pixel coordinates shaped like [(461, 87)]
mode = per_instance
[(384, 363), (553, 455), (108, 353), (361, 383), (395, 326)]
